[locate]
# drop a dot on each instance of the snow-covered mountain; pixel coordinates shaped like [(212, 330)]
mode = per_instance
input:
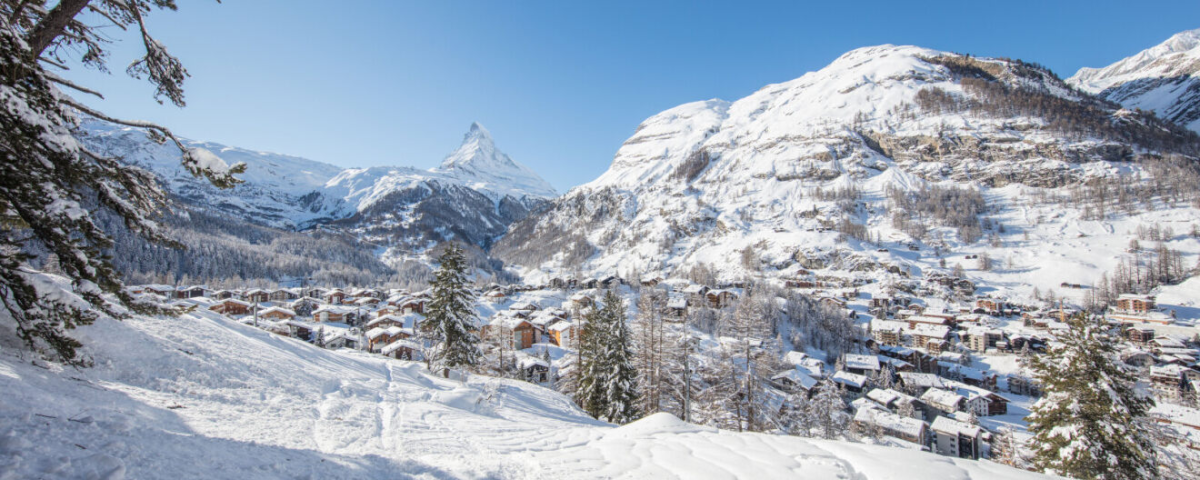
[(473, 196), (1162, 79), (200, 396), (884, 160)]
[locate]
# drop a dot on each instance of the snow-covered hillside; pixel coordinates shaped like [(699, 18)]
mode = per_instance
[(1162, 79), (885, 147), (200, 396)]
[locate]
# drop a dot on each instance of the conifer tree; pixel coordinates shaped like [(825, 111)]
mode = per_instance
[(450, 317), (1090, 422), (589, 370), (620, 381), (826, 411), (51, 185)]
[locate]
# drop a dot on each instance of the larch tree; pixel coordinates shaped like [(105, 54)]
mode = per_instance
[(1090, 423), (451, 314), (52, 187)]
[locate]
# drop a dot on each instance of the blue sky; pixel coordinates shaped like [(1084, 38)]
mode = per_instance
[(559, 84)]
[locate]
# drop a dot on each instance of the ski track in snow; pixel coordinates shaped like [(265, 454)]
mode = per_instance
[(200, 396)]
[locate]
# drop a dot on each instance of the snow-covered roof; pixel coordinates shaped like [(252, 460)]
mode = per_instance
[(942, 398), (954, 427), (861, 362), (398, 344), (677, 303), (801, 379), (924, 380), (890, 421), (850, 379), (929, 330), (277, 310)]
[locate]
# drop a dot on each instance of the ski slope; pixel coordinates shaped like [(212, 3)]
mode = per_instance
[(200, 396)]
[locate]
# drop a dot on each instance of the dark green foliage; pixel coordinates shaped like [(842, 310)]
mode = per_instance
[(608, 379), (1090, 423), (450, 317)]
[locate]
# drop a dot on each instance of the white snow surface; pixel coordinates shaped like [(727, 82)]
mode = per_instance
[(200, 396)]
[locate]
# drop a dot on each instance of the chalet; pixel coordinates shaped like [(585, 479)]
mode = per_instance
[(381, 336), (970, 376), (887, 332), (916, 320), (1022, 385), (676, 308), (990, 306), (924, 335), (893, 401), (333, 314), (1153, 316), (943, 401), (1167, 382), (409, 322), (611, 282), (257, 295), (495, 296), (920, 382), (854, 384), (920, 361), (557, 283), (892, 425), (582, 300), (525, 306), (282, 295), (794, 380), (335, 297), (696, 294), (192, 292), (414, 304), (832, 302), (221, 294), (1128, 303), (165, 291), (1140, 335), (564, 334), (861, 364), (980, 338), (401, 349), (720, 298), (294, 329), (516, 332), (1137, 358), (277, 313), (231, 306), (806, 364), (314, 292), (956, 439), (534, 369)]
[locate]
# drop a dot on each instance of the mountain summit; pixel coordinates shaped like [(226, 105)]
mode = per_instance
[(478, 163), (1162, 78)]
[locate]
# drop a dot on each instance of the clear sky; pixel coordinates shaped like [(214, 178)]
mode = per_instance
[(559, 84)]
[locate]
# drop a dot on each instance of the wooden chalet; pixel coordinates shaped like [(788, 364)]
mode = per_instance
[(231, 306), (276, 313)]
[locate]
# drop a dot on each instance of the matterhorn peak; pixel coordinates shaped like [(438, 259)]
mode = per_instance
[(478, 163)]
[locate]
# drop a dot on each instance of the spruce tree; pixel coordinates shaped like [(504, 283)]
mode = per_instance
[(1090, 422), (620, 380), (589, 370), (450, 318), (51, 185), (826, 411)]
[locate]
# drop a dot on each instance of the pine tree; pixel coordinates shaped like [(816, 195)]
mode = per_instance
[(589, 369), (620, 382), (1090, 422), (51, 186), (451, 314)]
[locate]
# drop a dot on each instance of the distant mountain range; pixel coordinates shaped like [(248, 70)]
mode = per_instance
[(1162, 79)]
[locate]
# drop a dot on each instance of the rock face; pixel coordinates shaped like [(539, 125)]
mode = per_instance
[(1162, 79), (745, 185), (473, 196)]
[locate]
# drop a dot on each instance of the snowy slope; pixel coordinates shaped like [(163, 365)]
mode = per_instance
[(202, 397), (702, 183), (485, 188), (1162, 78)]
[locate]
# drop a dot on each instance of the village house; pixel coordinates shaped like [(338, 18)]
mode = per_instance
[(565, 334), (943, 401), (956, 439), (920, 382), (335, 297), (894, 401), (581, 301), (192, 292), (334, 314), (379, 336), (282, 295), (1140, 335), (855, 385), (1129, 303), (276, 313), (861, 364), (720, 298), (230, 307), (221, 294), (676, 308), (794, 380), (887, 332), (401, 349), (1022, 385), (1167, 382), (256, 295), (892, 425)]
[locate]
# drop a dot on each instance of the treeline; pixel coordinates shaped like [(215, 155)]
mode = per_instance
[(1080, 119), (1139, 272), (225, 251), (954, 207)]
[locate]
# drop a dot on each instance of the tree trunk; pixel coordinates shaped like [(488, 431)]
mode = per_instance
[(44, 33)]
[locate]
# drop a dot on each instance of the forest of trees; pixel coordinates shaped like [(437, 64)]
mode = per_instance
[(958, 208)]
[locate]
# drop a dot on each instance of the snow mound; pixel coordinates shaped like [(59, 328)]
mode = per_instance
[(661, 423)]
